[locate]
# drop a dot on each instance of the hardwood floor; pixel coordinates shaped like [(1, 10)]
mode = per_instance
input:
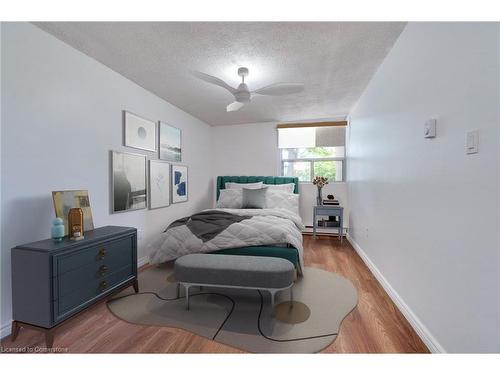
[(374, 326)]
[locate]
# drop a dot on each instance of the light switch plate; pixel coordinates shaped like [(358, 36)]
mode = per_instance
[(472, 142), (430, 128)]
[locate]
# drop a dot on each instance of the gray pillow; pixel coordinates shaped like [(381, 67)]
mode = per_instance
[(254, 198)]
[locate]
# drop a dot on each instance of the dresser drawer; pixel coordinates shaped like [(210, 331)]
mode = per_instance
[(103, 251), (79, 277), (91, 290)]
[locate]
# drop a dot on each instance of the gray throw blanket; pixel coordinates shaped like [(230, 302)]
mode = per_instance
[(208, 224)]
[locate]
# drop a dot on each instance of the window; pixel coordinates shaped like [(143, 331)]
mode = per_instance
[(312, 151)]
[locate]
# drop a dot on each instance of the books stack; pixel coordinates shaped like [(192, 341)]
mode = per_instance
[(332, 222), (330, 202)]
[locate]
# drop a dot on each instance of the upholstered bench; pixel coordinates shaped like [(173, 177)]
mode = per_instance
[(235, 271)]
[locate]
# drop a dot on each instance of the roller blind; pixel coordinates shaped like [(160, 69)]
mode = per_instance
[(306, 137)]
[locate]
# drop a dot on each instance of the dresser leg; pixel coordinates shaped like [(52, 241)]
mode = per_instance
[(49, 338), (136, 285), (14, 330)]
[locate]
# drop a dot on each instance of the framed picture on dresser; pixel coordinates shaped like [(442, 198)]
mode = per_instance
[(159, 184), (128, 181), (66, 199), (179, 181)]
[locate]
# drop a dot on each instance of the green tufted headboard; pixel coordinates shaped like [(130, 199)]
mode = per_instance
[(269, 180)]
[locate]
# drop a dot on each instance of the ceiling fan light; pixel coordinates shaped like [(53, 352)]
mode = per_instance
[(234, 106), (242, 96)]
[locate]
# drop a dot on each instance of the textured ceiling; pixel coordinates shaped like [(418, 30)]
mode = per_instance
[(335, 61)]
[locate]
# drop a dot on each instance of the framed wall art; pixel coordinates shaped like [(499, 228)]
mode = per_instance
[(170, 142), (66, 199), (128, 181), (179, 180), (139, 132), (159, 184)]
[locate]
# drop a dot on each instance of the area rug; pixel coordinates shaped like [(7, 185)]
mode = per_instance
[(243, 318)]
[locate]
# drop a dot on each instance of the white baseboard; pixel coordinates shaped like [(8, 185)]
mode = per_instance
[(5, 329), (142, 261), (429, 340)]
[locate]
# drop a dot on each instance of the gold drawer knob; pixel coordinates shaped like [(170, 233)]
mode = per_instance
[(103, 285), (103, 269), (102, 252)]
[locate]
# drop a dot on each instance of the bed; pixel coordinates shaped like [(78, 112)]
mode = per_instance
[(276, 232)]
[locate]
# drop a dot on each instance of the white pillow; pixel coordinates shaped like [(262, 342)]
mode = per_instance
[(289, 188), (233, 198), (282, 199), (230, 198), (235, 185)]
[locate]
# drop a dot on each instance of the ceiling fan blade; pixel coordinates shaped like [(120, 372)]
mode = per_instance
[(280, 89), (213, 80), (234, 106)]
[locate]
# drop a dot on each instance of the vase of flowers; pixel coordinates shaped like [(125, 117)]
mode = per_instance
[(320, 181)]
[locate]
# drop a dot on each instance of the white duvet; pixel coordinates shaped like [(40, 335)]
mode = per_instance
[(265, 227)]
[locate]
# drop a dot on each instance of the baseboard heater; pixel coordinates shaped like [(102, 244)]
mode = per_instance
[(324, 231)]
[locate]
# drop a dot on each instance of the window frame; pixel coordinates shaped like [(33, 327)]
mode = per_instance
[(311, 161)]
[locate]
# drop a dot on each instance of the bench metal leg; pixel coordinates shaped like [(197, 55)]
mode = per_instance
[(187, 295), (271, 291), (273, 294), (178, 290)]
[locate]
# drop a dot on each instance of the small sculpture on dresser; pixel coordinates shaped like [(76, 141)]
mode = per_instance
[(57, 231), (75, 224)]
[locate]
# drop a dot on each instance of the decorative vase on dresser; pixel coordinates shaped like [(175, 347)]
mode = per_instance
[(53, 281), (57, 230)]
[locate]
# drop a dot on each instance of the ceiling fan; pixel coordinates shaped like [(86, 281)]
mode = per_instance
[(243, 95)]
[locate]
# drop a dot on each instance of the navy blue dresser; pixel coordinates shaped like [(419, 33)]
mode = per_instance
[(52, 281)]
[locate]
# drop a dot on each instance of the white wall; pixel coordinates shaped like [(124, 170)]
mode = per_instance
[(61, 114), (425, 213), (2, 333), (252, 150)]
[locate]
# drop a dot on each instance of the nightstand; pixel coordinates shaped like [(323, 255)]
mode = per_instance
[(329, 211)]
